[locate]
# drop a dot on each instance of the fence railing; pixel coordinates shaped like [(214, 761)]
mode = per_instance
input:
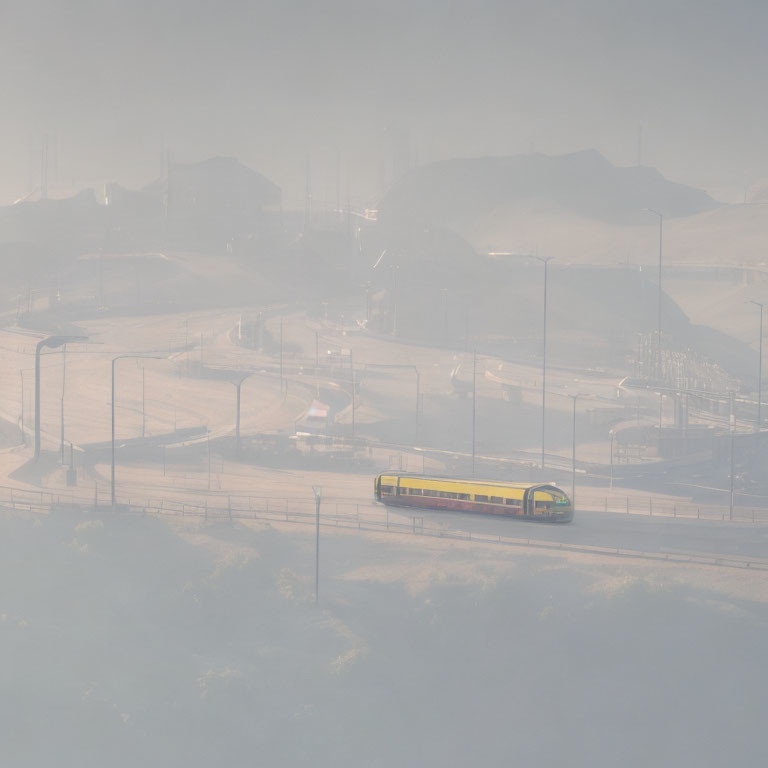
[(341, 514), (664, 507), (213, 499)]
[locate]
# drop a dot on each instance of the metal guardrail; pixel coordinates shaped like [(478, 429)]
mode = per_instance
[(616, 503), (346, 515)]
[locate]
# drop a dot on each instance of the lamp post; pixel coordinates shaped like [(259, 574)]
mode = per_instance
[(418, 398), (760, 368), (474, 408), (281, 356), (51, 342), (63, 390), (573, 456), (354, 403), (573, 449), (237, 385), (237, 420), (610, 484), (658, 332), (545, 261), (732, 430), (114, 360)]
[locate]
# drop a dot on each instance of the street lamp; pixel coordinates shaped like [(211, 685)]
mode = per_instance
[(658, 345), (732, 430), (545, 261), (610, 484), (237, 384), (114, 360), (52, 342), (760, 368), (474, 408), (573, 450), (418, 398), (573, 456)]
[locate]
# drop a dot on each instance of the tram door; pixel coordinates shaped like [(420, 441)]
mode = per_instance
[(529, 502)]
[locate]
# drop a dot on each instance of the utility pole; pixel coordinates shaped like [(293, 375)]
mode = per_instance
[(23, 434), (63, 386), (474, 407), (208, 442), (237, 421), (573, 456), (114, 362), (53, 342), (760, 369), (545, 261), (418, 399), (610, 484), (143, 405), (658, 333), (352, 376), (732, 426), (281, 355)]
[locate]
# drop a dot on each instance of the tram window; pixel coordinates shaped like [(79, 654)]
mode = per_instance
[(414, 491), (429, 492), (387, 488), (480, 497), (512, 502), (497, 500), (462, 496)]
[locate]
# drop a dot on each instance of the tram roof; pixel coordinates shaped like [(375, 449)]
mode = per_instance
[(469, 480)]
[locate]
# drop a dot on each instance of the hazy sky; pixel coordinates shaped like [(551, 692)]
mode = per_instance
[(114, 81)]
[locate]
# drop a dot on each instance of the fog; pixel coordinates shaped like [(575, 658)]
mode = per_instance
[(383, 384), (269, 82)]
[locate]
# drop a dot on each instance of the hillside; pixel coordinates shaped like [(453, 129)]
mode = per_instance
[(459, 192)]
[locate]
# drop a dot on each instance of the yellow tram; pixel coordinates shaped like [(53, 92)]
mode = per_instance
[(542, 502)]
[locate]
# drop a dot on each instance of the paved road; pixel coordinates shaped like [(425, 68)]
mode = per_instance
[(646, 534)]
